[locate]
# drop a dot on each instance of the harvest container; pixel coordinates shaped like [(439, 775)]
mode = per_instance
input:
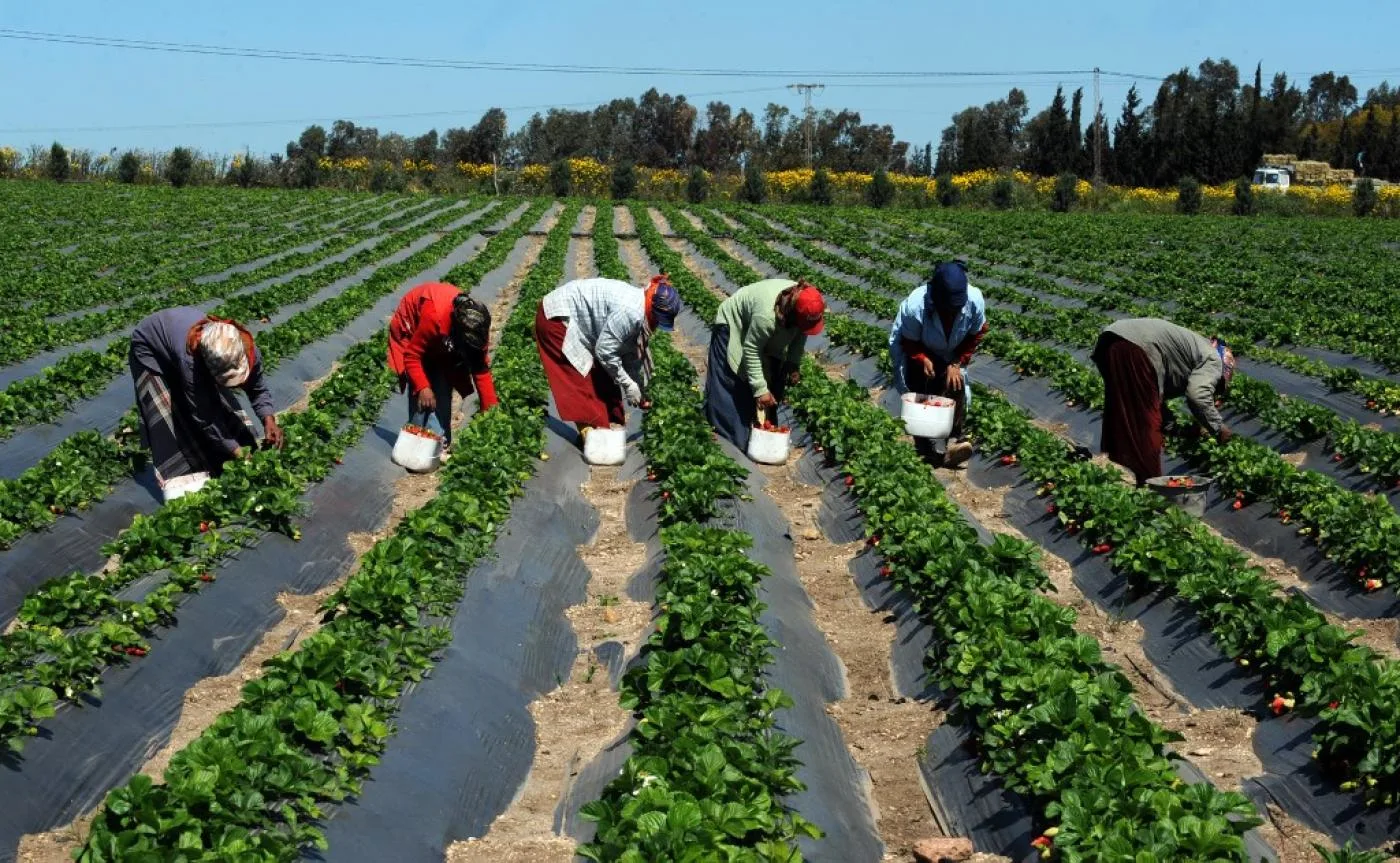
[(928, 416), (604, 446), (179, 486), (417, 450), (769, 446), (1184, 490)]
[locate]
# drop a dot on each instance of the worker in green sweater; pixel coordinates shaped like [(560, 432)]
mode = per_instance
[(756, 348)]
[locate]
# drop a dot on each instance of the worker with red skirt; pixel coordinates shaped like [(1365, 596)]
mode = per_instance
[(1144, 363), (592, 336), (437, 344)]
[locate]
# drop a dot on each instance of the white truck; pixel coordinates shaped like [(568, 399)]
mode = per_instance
[(1273, 179)]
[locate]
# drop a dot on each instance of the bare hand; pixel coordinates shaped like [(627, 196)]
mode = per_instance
[(928, 367), (766, 402), (954, 377), (794, 378), (272, 433), (426, 400), (1225, 434)]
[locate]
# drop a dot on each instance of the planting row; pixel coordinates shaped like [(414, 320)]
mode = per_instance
[(81, 469), (308, 732), (708, 768)]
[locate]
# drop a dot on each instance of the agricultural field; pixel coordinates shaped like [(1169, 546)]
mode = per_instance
[(693, 657)]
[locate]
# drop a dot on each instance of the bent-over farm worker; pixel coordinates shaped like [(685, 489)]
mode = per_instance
[(437, 344), (185, 365), (592, 336), (1145, 362), (934, 336), (755, 354)]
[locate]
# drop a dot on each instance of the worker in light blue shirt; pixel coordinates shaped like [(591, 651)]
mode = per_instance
[(933, 338)]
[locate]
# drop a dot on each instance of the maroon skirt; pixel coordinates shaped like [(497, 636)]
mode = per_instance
[(593, 399), (1132, 412)]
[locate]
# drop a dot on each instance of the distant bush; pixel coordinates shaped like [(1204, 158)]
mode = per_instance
[(560, 180), (820, 191), (1365, 198), (697, 186), (624, 181), (1188, 196), (948, 194), (1244, 198), (755, 187), (180, 167), (1003, 193), (128, 167), (58, 163), (246, 171), (1066, 192), (881, 191)]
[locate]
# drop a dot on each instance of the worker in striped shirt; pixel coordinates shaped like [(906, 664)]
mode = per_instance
[(592, 336)]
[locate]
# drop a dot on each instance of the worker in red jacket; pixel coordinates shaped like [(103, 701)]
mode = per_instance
[(437, 344)]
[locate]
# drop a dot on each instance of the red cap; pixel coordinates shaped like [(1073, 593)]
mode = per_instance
[(810, 309)]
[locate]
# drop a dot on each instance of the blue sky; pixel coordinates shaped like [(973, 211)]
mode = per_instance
[(61, 91)]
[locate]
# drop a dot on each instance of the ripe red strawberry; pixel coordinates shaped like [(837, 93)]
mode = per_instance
[(886, 572), (665, 495), (1333, 705), (204, 527), (1371, 584), (1051, 509), (136, 651), (204, 576), (850, 481), (1238, 504), (1042, 842), (339, 460), (1103, 548), (1008, 459), (873, 541), (1337, 457), (1280, 704)]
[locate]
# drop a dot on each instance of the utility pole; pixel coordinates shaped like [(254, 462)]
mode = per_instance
[(1098, 133), (809, 117)]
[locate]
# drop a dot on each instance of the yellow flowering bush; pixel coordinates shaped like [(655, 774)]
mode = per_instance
[(9, 161)]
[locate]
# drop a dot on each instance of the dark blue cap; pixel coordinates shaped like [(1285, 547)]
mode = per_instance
[(947, 288)]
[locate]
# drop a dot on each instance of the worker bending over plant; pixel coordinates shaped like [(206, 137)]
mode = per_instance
[(185, 365), (932, 341), (1145, 362), (592, 336), (437, 344), (756, 350)]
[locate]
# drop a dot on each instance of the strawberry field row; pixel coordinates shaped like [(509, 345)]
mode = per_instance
[(141, 293), (1246, 332), (310, 729), (185, 539), (1359, 532), (708, 767), (81, 469), (1299, 651)]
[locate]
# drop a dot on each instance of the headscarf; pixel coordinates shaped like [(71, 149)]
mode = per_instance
[(226, 349), (663, 302), (469, 331), (1227, 359)]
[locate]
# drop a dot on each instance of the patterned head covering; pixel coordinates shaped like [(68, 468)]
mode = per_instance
[(222, 348), (663, 302), (471, 324), (1227, 358)]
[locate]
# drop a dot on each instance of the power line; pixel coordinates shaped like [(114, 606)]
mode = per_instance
[(505, 66), (217, 124)]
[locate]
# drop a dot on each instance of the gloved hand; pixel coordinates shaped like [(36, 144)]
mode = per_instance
[(632, 393)]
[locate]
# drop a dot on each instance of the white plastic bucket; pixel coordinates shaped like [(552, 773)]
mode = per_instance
[(179, 486), (416, 452), (928, 416), (605, 446), (769, 447)]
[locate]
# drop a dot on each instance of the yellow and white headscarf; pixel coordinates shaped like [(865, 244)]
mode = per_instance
[(222, 347)]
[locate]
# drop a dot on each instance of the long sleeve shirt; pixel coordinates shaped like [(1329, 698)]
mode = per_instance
[(916, 333), (418, 336), (1187, 364), (755, 333), (606, 321), (159, 346)]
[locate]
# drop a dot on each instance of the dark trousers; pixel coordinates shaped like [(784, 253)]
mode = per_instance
[(731, 405)]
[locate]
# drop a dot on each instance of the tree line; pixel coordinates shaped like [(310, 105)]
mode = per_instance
[(1207, 125)]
